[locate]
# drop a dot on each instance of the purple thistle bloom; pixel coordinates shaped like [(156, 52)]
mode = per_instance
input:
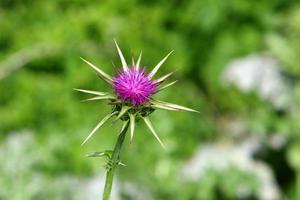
[(134, 86), (131, 102)]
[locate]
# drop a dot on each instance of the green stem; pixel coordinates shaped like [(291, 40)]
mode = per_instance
[(114, 162)]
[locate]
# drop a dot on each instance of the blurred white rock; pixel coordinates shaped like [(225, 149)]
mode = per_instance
[(221, 156), (260, 73)]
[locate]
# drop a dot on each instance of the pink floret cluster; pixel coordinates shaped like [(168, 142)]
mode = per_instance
[(134, 86)]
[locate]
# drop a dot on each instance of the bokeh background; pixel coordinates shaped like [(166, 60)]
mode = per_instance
[(237, 62)]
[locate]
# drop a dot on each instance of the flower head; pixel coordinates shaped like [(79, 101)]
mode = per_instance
[(132, 96), (134, 86)]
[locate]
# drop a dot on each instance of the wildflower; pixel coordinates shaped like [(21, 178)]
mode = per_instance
[(132, 98)]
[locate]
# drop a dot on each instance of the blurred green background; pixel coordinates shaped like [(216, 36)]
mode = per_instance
[(237, 62)]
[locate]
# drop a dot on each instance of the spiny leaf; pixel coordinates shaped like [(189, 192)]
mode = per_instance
[(124, 64), (105, 76), (138, 61), (98, 126), (108, 96), (163, 78), (149, 124), (100, 154), (132, 126), (96, 154), (156, 68), (91, 92), (122, 164), (174, 106), (166, 86)]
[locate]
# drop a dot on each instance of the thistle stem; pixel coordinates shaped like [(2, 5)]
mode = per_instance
[(113, 163)]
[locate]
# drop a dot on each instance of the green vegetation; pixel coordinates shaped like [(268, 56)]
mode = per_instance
[(41, 43)]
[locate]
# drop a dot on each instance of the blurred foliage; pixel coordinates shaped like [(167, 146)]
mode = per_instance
[(40, 46)]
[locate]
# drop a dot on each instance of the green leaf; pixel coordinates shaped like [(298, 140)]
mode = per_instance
[(138, 61), (132, 126), (91, 92), (105, 76), (149, 124), (172, 106), (156, 68), (98, 126), (100, 154), (124, 64), (122, 164)]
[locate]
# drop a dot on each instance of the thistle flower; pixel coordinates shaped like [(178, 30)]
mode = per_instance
[(134, 86), (132, 98)]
